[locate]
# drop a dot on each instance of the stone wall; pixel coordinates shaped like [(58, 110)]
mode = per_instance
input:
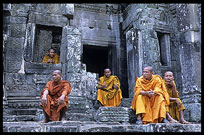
[(190, 58), (133, 34), (24, 77), (180, 22)]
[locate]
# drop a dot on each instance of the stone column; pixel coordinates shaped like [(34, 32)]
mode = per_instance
[(190, 58)]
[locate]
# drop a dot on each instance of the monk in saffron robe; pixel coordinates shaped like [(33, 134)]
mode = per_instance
[(54, 99), (51, 57), (150, 99), (176, 106), (109, 93)]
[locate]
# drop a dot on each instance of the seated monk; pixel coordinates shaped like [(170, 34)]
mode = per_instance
[(150, 98), (54, 99), (51, 57), (176, 107), (109, 93)]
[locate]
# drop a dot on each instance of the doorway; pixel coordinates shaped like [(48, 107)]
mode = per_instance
[(95, 58)]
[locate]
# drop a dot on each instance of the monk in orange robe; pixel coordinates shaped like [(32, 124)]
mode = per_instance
[(150, 99), (176, 106), (109, 93), (54, 98), (51, 57)]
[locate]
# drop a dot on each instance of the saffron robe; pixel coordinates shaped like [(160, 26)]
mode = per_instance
[(110, 97), (52, 109), (55, 59), (151, 108), (172, 108)]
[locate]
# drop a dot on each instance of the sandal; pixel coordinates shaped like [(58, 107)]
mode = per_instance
[(139, 122)]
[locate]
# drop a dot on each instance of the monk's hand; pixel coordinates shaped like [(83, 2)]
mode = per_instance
[(44, 100), (49, 61), (61, 99), (103, 86), (115, 86)]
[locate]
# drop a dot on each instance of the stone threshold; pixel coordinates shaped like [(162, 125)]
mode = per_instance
[(91, 126)]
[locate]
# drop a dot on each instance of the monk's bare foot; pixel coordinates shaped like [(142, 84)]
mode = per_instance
[(173, 121), (44, 121), (184, 122)]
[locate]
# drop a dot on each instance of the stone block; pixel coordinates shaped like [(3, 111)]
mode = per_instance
[(61, 129), (65, 9), (20, 9), (192, 112), (117, 114), (79, 117), (17, 20), (77, 105), (20, 90), (50, 20), (41, 68), (97, 129), (14, 78), (18, 30)]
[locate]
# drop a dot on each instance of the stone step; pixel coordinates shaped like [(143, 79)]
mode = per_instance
[(90, 126), (15, 118), (28, 111), (126, 102), (78, 105), (79, 117)]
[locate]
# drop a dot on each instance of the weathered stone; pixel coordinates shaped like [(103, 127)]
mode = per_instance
[(127, 36), (50, 20), (43, 68), (117, 114), (17, 30), (65, 9), (20, 90)]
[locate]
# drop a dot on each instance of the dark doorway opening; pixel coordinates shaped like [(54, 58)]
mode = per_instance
[(95, 58)]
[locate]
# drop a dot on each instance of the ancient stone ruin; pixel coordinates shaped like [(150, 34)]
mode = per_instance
[(89, 38)]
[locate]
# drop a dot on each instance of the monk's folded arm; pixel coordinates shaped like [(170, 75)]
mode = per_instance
[(143, 93)]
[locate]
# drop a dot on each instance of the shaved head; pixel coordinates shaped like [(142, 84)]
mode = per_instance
[(107, 69), (58, 72), (147, 73), (148, 68), (168, 72)]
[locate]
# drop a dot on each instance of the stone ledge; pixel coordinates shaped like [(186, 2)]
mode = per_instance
[(90, 126)]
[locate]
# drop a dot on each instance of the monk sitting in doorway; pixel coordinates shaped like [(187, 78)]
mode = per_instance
[(176, 107), (51, 57), (150, 99), (54, 99), (109, 93)]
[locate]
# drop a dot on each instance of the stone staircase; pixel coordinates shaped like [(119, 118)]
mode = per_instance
[(91, 126), (79, 118)]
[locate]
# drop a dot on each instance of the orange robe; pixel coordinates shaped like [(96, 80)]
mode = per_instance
[(55, 59), (151, 108), (52, 108), (111, 97), (172, 109)]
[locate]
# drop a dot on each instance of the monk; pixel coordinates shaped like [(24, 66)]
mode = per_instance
[(150, 99), (51, 57), (176, 106), (109, 93), (54, 98)]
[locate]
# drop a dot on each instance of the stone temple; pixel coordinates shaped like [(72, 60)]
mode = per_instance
[(89, 38)]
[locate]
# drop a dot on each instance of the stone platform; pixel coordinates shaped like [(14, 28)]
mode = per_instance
[(90, 126)]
